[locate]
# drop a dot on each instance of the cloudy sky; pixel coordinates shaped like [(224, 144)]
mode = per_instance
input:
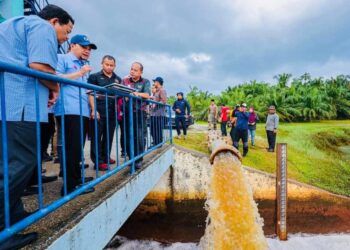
[(215, 44)]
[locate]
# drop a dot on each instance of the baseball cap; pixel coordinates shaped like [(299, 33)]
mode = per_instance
[(159, 79), (82, 40), (244, 105)]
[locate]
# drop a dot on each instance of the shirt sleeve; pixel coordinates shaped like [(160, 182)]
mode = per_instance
[(188, 108), (61, 69), (92, 79), (147, 87), (276, 121), (42, 43), (163, 96)]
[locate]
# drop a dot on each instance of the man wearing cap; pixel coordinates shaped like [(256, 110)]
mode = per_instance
[(182, 111), (241, 129), (27, 41), (143, 90), (75, 66), (272, 122), (158, 111), (105, 77)]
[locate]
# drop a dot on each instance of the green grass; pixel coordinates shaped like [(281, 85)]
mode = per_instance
[(195, 141), (318, 153)]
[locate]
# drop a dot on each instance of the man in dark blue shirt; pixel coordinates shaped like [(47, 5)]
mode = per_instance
[(241, 128), (105, 77), (180, 106)]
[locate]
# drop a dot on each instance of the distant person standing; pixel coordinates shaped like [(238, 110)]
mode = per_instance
[(253, 118), (158, 111), (182, 111), (272, 122), (102, 78), (224, 112), (212, 115), (241, 130), (233, 121)]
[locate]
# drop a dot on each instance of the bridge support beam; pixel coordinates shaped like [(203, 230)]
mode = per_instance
[(98, 227)]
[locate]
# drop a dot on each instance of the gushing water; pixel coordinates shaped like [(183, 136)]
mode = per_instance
[(233, 220)]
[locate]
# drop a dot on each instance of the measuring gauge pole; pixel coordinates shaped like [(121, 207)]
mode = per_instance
[(281, 190)]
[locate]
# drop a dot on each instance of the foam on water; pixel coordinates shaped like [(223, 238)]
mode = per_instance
[(233, 219), (295, 242)]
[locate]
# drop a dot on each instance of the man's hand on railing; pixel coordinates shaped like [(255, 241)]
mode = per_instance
[(92, 115), (53, 95)]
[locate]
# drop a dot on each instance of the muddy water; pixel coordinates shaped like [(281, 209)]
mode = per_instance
[(184, 221), (234, 221)]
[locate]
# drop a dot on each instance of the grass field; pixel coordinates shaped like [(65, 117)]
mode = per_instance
[(318, 152)]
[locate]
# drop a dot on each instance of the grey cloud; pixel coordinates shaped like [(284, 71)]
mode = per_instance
[(244, 39)]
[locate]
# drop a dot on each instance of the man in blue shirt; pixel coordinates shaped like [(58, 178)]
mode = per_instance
[(75, 66), (31, 42), (241, 128), (180, 106)]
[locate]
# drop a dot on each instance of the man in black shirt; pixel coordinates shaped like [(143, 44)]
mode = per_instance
[(105, 77)]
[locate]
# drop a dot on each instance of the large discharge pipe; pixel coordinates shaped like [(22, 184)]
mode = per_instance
[(233, 220)]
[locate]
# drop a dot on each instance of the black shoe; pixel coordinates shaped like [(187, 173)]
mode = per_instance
[(86, 179), (271, 150), (85, 165), (138, 165), (31, 191), (46, 157), (19, 216), (18, 241), (46, 179)]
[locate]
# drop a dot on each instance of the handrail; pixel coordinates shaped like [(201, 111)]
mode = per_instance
[(44, 210)]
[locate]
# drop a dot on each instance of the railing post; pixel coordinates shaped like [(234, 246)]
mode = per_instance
[(63, 163), (170, 126), (131, 135), (116, 107), (107, 129), (96, 133), (38, 144), (5, 153), (281, 190), (81, 138)]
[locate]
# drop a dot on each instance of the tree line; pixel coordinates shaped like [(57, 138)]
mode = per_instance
[(296, 99)]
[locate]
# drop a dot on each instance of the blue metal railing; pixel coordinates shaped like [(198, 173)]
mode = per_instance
[(134, 110)]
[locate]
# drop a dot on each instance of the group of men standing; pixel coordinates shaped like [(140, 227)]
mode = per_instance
[(32, 42), (243, 124)]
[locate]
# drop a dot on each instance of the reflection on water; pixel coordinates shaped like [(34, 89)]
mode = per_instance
[(233, 218)]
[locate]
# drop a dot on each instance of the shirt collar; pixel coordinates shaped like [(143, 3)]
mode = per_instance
[(75, 59), (103, 74), (140, 80)]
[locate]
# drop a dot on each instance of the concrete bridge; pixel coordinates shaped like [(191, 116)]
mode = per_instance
[(90, 221)]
